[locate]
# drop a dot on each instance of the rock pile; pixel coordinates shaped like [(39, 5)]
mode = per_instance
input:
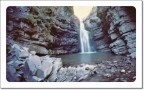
[(76, 74), (29, 67)]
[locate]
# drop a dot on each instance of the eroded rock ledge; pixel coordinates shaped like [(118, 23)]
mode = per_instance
[(47, 30)]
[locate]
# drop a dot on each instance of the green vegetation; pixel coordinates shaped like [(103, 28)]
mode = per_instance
[(70, 9)]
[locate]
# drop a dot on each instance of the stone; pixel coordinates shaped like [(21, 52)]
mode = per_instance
[(129, 71), (108, 67), (38, 49), (134, 77), (123, 71), (16, 46), (133, 55), (23, 54), (33, 52), (87, 68), (115, 61), (36, 79), (18, 63), (56, 66), (123, 80), (20, 72), (107, 75), (113, 69), (45, 69), (34, 63), (83, 77), (10, 63), (11, 73), (116, 80), (75, 78)]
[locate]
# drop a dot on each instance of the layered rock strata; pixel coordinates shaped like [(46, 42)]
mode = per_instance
[(46, 30), (114, 29)]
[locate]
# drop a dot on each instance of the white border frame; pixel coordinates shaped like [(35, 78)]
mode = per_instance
[(136, 84)]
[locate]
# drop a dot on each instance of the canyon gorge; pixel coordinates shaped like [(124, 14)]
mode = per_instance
[(54, 44)]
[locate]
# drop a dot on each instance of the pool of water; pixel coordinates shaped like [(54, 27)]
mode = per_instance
[(86, 58)]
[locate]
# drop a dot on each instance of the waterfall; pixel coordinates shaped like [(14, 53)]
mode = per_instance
[(86, 46)]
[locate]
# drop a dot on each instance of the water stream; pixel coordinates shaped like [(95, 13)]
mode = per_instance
[(85, 40)]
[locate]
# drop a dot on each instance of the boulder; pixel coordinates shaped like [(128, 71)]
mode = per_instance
[(123, 71), (56, 66), (24, 54), (38, 49), (34, 63), (45, 69), (17, 64), (36, 79), (33, 52), (107, 75), (11, 73)]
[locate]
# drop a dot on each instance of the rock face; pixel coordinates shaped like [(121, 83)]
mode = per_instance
[(46, 30), (113, 28)]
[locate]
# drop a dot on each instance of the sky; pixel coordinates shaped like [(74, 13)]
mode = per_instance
[(82, 11)]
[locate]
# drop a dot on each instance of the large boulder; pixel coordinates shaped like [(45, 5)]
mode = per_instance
[(34, 63), (38, 49), (57, 64), (45, 70)]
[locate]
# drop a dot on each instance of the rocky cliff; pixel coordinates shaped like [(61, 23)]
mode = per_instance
[(114, 29), (46, 30)]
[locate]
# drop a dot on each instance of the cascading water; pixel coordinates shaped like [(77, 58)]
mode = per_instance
[(86, 46)]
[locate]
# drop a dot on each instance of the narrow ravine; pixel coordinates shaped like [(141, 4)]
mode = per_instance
[(71, 44)]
